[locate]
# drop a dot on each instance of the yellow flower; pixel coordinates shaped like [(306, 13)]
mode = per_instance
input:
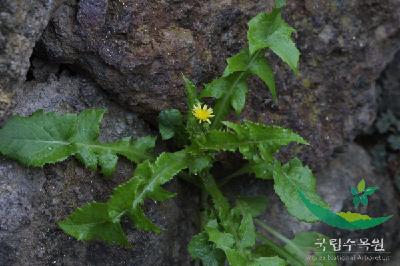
[(203, 114)]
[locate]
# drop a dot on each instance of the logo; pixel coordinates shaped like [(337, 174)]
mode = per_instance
[(361, 194), (347, 220)]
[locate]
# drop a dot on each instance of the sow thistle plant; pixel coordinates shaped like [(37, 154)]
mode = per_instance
[(227, 232)]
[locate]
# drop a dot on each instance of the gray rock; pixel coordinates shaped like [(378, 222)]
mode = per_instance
[(136, 50), (21, 24), (389, 87), (33, 200)]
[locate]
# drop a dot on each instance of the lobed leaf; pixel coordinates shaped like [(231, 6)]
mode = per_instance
[(102, 221), (45, 138), (254, 141)]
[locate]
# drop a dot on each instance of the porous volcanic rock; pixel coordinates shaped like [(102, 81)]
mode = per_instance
[(21, 24), (137, 50)]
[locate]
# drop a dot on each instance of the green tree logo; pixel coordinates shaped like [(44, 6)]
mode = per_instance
[(361, 193)]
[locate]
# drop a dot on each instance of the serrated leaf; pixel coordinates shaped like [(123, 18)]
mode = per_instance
[(303, 247), (102, 220), (289, 180), (256, 65), (92, 222), (200, 248), (148, 178), (361, 186), (269, 30), (45, 138), (170, 123), (254, 141)]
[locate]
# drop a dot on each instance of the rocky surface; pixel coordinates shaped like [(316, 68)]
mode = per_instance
[(128, 55), (21, 25), (137, 50), (33, 200)]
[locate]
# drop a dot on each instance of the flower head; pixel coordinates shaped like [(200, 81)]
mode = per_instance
[(202, 113)]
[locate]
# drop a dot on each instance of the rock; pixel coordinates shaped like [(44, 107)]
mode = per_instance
[(21, 24), (389, 87), (137, 50), (33, 200)]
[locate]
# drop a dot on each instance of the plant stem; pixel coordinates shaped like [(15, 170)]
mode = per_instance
[(280, 251), (279, 236)]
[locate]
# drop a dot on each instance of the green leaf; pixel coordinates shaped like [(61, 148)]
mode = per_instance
[(288, 181), (46, 138), (102, 220), (262, 169), (204, 250), (92, 222), (269, 30), (170, 123), (222, 240), (256, 204), (146, 183), (199, 163), (191, 92), (230, 90), (256, 65), (39, 139), (254, 141), (235, 258), (303, 247), (247, 233), (268, 261), (361, 186)]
